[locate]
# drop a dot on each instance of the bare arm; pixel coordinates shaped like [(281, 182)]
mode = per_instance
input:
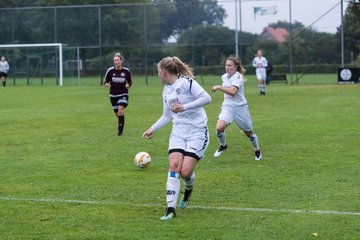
[(230, 90)]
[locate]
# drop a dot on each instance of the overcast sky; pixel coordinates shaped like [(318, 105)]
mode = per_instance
[(304, 11)]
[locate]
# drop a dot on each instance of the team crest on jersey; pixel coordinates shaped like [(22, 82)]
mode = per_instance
[(174, 101), (178, 91), (122, 74), (114, 74)]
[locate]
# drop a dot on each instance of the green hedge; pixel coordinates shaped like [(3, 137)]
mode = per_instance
[(219, 70), (308, 68)]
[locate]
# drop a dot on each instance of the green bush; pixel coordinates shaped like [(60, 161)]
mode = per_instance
[(283, 68)]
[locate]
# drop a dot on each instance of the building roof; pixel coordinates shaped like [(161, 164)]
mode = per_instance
[(278, 35)]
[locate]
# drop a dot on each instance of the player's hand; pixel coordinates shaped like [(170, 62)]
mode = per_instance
[(148, 134), (215, 88), (127, 86), (107, 85), (176, 108)]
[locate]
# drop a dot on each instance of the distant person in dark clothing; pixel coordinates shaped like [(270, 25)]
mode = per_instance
[(269, 69)]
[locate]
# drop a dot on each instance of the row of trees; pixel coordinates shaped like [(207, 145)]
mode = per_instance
[(122, 23), (146, 26), (309, 46), (352, 30)]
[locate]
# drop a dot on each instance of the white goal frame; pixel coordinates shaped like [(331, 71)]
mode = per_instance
[(59, 45)]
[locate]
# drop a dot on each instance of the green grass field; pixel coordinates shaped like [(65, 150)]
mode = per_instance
[(66, 175)]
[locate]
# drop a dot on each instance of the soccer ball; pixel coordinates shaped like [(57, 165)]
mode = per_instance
[(142, 159)]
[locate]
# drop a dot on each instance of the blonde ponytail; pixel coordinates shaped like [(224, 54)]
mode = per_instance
[(175, 66)]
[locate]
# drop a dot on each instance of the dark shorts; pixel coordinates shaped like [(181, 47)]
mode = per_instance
[(182, 151), (2, 74), (121, 100)]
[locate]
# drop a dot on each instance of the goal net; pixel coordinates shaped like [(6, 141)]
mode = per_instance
[(41, 63)]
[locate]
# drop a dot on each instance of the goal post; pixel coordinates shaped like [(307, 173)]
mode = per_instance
[(39, 45)]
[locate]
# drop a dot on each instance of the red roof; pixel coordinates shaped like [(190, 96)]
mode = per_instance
[(278, 35)]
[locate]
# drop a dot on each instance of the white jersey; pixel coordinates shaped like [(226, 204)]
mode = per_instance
[(4, 66), (236, 80), (260, 63), (184, 91)]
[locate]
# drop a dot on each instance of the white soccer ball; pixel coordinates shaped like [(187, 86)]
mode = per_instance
[(142, 159)]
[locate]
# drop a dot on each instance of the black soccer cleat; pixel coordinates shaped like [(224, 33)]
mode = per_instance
[(170, 213), (258, 155), (220, 151), (185, 200)]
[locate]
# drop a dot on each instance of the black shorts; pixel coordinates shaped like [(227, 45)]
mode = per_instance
[(121, 100), (3, 74)]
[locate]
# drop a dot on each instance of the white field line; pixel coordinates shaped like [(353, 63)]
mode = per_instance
[(238, 209)]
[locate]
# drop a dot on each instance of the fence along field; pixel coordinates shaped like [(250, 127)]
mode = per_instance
[(313, 79)]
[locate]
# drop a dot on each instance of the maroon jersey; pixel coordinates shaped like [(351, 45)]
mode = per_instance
[(118, 80)]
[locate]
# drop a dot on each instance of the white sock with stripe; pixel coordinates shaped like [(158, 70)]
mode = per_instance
[(221, 136), (254, 141), (172, 189), (189, 182)]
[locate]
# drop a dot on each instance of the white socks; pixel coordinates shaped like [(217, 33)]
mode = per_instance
[(172, 189), (262, 87), (221, 136), (189, 182), (254, 141)]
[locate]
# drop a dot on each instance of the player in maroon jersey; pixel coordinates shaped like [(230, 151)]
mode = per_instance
[(118, 78)]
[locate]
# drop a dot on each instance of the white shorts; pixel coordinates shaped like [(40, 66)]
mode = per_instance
[(239, 114), (189, 140), (261, 74)]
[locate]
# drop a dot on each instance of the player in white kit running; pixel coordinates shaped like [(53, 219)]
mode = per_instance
[(183, 103), (234, 107), (260, 63)]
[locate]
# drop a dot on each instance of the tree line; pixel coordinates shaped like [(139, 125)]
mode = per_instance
[(196, 26)]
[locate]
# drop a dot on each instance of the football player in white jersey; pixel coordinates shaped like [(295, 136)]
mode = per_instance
[(4, 68), (260, 63), (234, 107), (183, 103)]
